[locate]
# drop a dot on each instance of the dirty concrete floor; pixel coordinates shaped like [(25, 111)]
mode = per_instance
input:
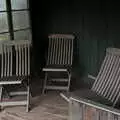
[(45, 107)]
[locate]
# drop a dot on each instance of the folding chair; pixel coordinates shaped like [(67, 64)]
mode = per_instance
[(15, 70), (60, 56), (106, 87)]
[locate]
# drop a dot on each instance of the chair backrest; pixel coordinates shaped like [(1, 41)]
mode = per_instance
[(107, 83), (60, 49), (15, 58)]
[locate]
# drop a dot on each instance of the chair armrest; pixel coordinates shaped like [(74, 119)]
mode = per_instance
[(65, 97), (91, 77)]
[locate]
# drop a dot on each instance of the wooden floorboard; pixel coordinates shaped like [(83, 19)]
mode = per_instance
[(46, 107)]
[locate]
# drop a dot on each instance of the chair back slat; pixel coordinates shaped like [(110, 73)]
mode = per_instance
[(66, 52), (107, 83), (25, 61), (11, 61), (60, 49), (63, 53), (7, 57), (50, 51), (6, 67), (102, 73), (112, 75), (17, 64), (2, 63), (28, 56), (5, 60), (19, 60), (61, 44), (22, 59), (71, 53)]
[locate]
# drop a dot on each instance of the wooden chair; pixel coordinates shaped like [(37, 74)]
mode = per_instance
[(107, 82), (15, 70), (60, 56), (104, 94)]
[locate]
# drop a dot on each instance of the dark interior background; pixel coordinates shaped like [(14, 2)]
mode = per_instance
[(95, 24)]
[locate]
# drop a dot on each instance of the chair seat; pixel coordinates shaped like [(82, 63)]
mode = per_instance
[(60, 68), (12, 80)]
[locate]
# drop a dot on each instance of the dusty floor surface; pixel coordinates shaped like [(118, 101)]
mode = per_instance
[(45, 107)]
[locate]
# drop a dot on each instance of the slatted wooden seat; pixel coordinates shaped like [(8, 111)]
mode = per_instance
[(60, 55), (15, 68), (57, 68), (12, 80)]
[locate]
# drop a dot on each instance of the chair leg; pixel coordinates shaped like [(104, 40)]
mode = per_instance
[(1, 91), (45, 81), (6, 92), (28, 98), (70, 110), (69, 79), (1, 95)]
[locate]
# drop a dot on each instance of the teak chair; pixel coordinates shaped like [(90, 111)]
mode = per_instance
[(60, 56), (103, 97), (15, 70)]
